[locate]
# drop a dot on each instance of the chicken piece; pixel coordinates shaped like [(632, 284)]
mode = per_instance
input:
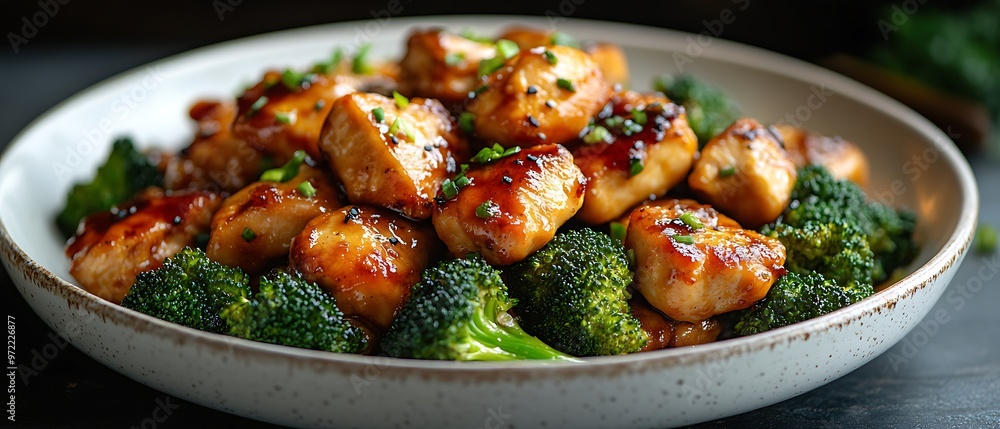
[(843, 159), (710, 217), (691, 274), (610, 57), (665, 333), (745, 173), (256, 225), (512, 206), (398, 162), (111, 248), (661, 154), (285, 111), (367, 257), (216, 161), (543, 95), (442, 65)]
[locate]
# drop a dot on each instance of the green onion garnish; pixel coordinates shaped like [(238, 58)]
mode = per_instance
[(727, 171), (598, 134), (306, 189), (248, 234), (466, 122), (562, 39), (487, 210), (634, 166), (566, 84), (985, 241), (686, 239), (360, 64), (691, 220), (550, 57), (454, 58), (401, 100), (285, 117), (379, 114), (257, 105), (287, 171), (639, 116)]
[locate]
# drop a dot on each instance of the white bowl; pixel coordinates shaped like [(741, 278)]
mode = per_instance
[(915, 165)]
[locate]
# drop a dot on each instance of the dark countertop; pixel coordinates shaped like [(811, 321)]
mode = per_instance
[(952, 380)]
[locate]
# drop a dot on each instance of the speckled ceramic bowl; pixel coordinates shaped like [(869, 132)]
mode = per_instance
[(914, 165)]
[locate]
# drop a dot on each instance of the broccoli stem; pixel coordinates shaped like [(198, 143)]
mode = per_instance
[(497, 341)]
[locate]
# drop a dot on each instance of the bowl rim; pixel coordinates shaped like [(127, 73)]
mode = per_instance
[(639, 36)]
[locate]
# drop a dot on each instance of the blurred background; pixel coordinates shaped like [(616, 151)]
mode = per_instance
[(942, 58)]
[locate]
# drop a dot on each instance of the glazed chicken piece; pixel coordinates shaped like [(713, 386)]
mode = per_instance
[(660, 155), (216, 161), (441, 65), (512, 206), (111, 248), (283, 114), (745, 173), (542, 95), (842, 158), (691, 273), (367, 257), (256, 225), (665, 333), (610, 57), (389, 156)]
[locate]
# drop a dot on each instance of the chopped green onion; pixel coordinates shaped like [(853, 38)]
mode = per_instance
[(248, 234), (292, 79), (986, 239), (505, 51), (686, 239), (562, 39), (489, 154), (466, 122), (485, 155), (598, 134), (257, 105), (639, 116), (306, 189), (618, 232), (360, 64), (454, 58), (330, 65), (462, 181), (510, 151), (614, 121), (470, 34), (401, 100), (550, 57), (287, 171), (634, 166), (487, 210), (691, 220), (379, 114), (566, 84), (449, 189), (727, 171), (287, 118), (400, 125)]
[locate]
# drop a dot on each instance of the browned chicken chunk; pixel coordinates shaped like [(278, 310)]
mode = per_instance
[(255, 226), (111, 248), (367, 257), (665, 333), (745, 173), (513, 206), (216, 161), (441, 65), (610, 57), (543, 95), (389, 156), (842, 158), (693, 272), (633, 161)]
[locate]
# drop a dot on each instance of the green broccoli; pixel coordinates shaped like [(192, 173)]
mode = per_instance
[(458, 311), (794, 298), (838, 251), (188, 289), (819, 197), (573, 294), (124, 173), (291, 311), (709, 110)]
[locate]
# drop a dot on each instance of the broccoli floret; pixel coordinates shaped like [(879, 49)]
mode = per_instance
[(709, 110), (188, 289), (458, 311), (124, 173), (291, 311), (573, 295), (838, 251), (819, 197), (793, 298)]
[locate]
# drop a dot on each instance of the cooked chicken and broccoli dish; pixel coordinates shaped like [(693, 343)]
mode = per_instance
[(484, 199)]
